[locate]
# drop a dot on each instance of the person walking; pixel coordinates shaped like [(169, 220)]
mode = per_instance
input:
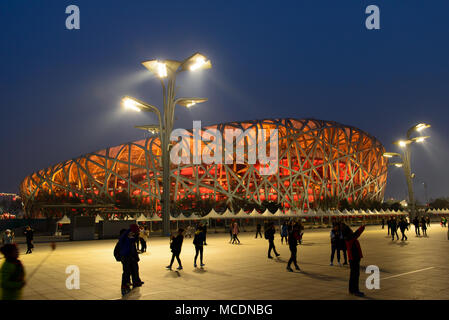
[(389, 225), (231, 229), (198, 241), (428, 221), (394, 229), (12, 273), (416, 224), (143, 237), (342, 244), (354, 256), (205, 233), (284, 233), (29, 235), (334, 235), (258, 230), (383, 223), (403, 225), (235, 232), (423, 227), (127, 246), (175, 246), (269, 235), (293, 239)]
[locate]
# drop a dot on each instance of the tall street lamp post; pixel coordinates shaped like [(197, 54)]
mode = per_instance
[(166, 71), (405, 160)]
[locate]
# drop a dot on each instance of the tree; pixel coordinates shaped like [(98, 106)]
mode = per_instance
[(439, 203)]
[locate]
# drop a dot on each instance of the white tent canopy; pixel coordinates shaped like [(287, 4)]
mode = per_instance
[(267, 214), (279, 214), (155, 217), (228, 215), (141, 218), (65, 220), (98, 218), (213, 215), (255, 214), (242, 214), (290, 214)]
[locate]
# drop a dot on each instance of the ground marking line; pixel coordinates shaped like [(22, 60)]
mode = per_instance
[(403, 274)]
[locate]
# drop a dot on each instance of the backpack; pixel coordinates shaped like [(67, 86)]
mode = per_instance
[(117, 255), (266, 235)]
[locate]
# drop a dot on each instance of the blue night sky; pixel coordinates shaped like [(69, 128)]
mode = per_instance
[(60, 89)]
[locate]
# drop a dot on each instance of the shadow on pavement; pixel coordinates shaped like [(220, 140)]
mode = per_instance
[(199, 270), (322, 277), (133, 295)]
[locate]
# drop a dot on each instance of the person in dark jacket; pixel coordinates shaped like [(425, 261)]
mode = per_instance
[(12, 273), (424, 226), (129, 258), (294, 237), (416, 224), (389, 225), (383, 223), (284, 233), (394, 229), (29, 235), (269, 235), (258, 230), (342, 244), (205, 233), (198, 241), (354, 256), (403, 225), (335, 235), (175, 246)]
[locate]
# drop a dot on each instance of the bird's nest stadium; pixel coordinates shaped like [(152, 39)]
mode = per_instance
[(316, 160)]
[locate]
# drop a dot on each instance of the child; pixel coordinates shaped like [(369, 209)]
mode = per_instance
[(12, 273), (175, 246)]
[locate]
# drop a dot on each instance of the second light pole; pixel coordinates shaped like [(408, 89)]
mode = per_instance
[(406, 162)]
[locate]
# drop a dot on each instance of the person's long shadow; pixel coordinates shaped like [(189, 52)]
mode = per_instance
[(173, 274), (200, 270), (318, 276), (399, 243), (133, 295)]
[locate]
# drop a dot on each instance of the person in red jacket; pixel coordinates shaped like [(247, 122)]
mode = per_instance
[(354, 256)]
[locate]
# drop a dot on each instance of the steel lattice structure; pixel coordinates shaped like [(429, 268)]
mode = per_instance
[(317, 159)]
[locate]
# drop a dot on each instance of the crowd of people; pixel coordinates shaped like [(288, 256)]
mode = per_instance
[(133, 241), (344, 245), (403, 224)]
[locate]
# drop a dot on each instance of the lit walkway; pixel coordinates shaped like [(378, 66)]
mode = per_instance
[(416, 269)]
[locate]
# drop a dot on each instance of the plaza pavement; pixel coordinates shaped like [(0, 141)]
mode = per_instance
[(415, 269)]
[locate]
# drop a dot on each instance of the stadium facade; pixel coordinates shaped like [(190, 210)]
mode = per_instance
[(317, 160)]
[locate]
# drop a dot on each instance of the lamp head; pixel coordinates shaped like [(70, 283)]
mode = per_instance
[(391, 154), (189, 102), (130, 103), (161, 68), (422, 126), (197, 61), (151, 128), (420, 139), (402, 143)]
